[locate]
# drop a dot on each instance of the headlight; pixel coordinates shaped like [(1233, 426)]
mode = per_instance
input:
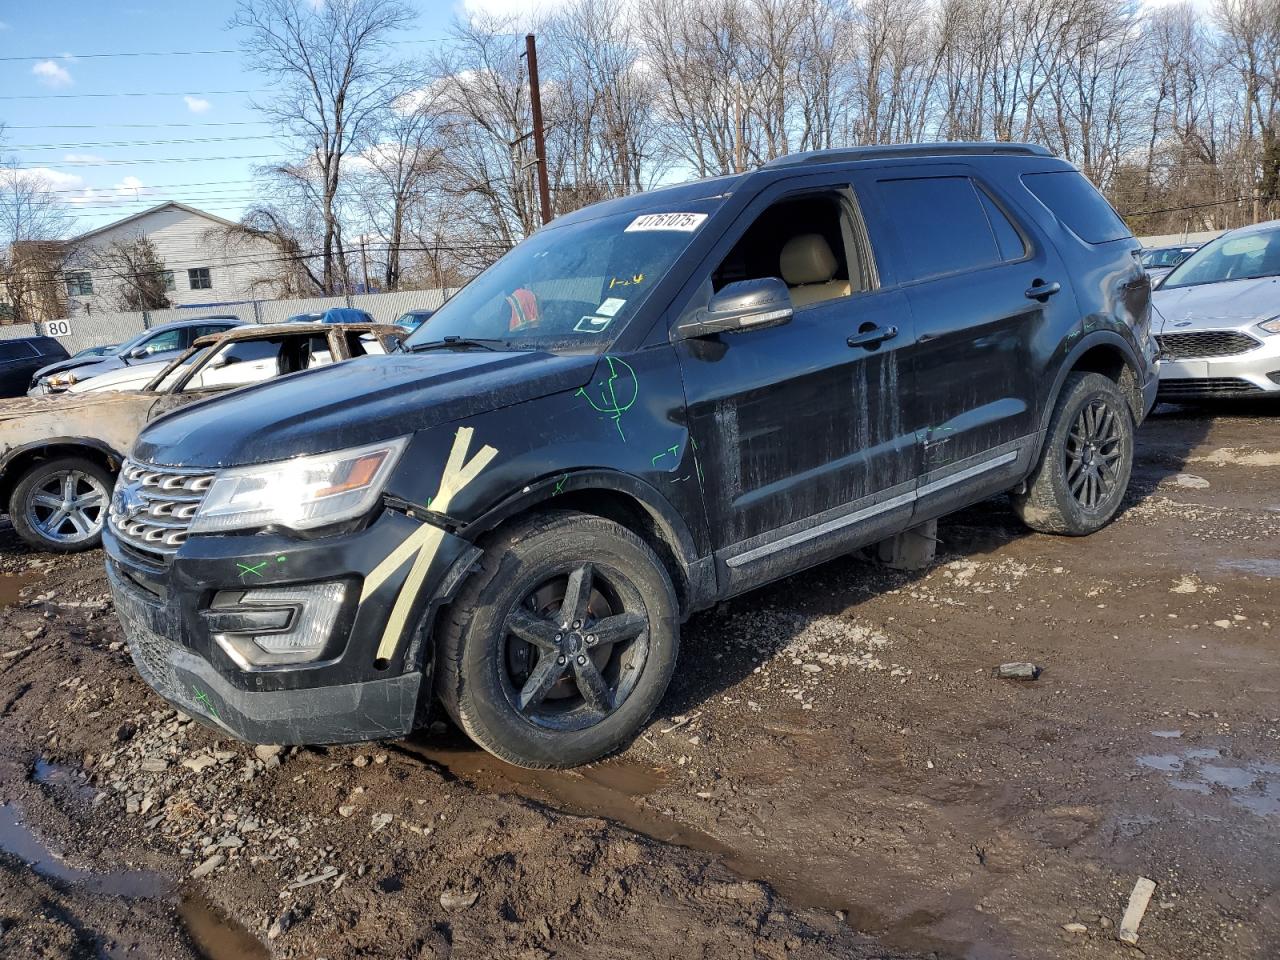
[(60, 381), (1270, 326), (299, 494)]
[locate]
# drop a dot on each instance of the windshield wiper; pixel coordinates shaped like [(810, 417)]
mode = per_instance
[(482, 342)]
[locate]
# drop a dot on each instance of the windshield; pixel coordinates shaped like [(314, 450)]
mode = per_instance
[(1230, 257), (568, 288), (1169, 257)]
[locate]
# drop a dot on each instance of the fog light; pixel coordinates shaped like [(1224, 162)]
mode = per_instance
[(276, 626)]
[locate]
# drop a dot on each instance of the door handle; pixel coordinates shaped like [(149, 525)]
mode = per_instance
[(872, 337), (1043, 291)]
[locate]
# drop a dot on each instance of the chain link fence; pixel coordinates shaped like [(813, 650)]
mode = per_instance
[(97, 329)]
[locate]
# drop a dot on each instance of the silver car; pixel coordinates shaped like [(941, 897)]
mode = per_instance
[(1217, 317)]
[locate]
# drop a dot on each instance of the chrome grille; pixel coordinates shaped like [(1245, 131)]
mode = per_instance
[(1205, 343), (152, 507)]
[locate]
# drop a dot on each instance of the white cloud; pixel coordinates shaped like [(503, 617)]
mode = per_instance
[(197, 104), (525, 11), (83, 158), (55, 179), (52, 74), (129, 188)]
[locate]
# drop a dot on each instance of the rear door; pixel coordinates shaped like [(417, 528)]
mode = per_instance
[(982, 287)]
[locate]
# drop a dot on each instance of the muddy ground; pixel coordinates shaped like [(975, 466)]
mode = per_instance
[(835, 772)]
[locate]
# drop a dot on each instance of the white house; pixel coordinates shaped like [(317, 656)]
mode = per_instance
[(205, 263)]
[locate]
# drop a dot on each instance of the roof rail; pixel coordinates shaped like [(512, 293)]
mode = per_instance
[(908, 150)]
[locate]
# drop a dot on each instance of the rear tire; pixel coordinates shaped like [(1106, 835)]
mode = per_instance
[(61, 505), (560, 647), (1085, 463)]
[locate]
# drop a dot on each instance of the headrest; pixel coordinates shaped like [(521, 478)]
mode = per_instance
[(807, 259)]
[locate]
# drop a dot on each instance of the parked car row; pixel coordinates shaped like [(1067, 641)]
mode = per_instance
[(40, 365), (59, 454)]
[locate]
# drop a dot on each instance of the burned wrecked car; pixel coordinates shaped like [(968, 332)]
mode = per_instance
[(59, 454), (650, 405)]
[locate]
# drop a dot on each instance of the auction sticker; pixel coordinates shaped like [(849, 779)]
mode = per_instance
[(611, 307), (592, 324), (682, 222)]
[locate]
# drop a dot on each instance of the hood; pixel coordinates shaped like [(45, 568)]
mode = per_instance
[(66, 404), (355, 402), (1230, 303), (77, 363)]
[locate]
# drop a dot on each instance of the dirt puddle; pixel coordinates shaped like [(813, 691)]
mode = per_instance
[(10, 586), (214, 935), (612, 790)]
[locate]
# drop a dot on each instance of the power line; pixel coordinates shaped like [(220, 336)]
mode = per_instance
[(142, 93), (117, 163), (83, 144), (136, 126), (128, 53), (198, 53), (59, 276)]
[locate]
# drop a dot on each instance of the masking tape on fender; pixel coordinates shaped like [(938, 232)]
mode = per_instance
[(423, 543)]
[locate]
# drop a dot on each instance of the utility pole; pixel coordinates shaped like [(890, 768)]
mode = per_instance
[(364, 258), (539, 140)]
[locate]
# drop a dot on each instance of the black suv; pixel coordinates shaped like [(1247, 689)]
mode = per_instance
[(650, 405), (20, 358)]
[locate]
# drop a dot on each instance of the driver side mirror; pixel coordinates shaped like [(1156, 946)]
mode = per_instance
[(137, 353), (744, 305)]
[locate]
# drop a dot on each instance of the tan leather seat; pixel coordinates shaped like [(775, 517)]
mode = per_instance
[(809, 267)]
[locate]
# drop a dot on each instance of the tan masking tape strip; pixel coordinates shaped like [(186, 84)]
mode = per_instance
[(404, 602), (458, 472)]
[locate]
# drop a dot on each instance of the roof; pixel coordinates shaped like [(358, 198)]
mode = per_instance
[(977, 148), (156, 209)]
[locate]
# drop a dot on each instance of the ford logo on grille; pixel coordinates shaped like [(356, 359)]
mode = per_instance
[(128, 501)]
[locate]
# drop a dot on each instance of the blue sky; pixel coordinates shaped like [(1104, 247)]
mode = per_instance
[(87, 146)]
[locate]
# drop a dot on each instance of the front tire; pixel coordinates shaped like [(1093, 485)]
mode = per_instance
[(1084, 467), (561, 646), (61, 505)]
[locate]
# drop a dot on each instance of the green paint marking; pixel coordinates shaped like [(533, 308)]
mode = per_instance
[(560, 485), (609, 393), (280, 559), (203, 699), (256, 569), (653, 461)]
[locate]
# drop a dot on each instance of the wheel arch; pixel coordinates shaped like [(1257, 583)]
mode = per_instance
[(1103, 352), (19, 460), (627, 500)]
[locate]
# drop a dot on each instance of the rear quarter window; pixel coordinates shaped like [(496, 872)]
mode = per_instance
[(1077, 203)]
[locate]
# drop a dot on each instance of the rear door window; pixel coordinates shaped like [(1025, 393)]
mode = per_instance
[(941, 225), (16, 351), (1074, 200), (1008, 240)]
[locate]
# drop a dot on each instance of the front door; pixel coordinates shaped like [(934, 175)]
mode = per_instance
[(800, 429)]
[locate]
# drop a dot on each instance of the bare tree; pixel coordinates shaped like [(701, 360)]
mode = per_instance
[(34, 226), (332, 63), (141, 279)]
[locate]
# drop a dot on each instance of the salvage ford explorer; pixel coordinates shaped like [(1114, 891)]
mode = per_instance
[(651, 405)]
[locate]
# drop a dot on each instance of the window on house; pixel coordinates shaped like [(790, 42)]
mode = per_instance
[(199, 278), (80, 284), (169, 284)]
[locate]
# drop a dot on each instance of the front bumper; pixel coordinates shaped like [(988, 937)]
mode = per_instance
[(347, 694), (1254, 372)]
